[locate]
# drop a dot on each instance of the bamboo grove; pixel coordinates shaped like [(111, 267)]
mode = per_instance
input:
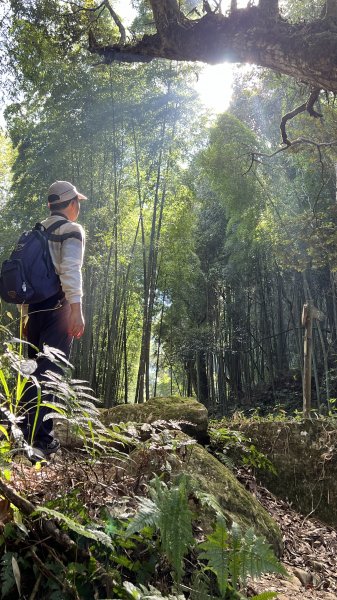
[(199, 257)]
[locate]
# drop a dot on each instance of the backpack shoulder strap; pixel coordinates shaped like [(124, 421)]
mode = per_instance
[(55, 225), (60, 237), (51, 227)]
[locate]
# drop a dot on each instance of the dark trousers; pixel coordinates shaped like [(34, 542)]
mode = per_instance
[(47, 324)]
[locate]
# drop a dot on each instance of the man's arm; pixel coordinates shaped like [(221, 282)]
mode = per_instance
[(71, 281)]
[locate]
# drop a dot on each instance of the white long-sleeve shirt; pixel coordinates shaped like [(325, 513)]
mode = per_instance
[(68, 257)]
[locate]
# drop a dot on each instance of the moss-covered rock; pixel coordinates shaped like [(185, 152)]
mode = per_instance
[(237, 503), (191, 413), (173, 408), (304, 455), (210, 476)]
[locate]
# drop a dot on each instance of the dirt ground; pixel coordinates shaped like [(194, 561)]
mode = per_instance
[(310, 547), (310, 551)]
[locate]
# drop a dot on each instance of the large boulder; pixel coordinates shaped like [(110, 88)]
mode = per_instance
[(180, 454), (191, 413), (212, 477)]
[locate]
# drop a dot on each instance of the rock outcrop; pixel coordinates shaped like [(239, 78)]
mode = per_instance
[(304, 455)]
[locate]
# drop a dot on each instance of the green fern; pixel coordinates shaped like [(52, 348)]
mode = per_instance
[(233, 556), (93, 534), (168, 512), (146, 516), (235, 565), (257, 557), (210, 501), (175, 525), (200, 586), (216, 552)]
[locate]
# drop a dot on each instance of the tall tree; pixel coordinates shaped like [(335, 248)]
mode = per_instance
[(256, 34)]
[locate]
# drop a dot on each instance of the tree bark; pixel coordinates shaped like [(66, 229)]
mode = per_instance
[(257, 35)]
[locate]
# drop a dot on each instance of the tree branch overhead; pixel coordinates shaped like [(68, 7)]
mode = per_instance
[(256, 35)]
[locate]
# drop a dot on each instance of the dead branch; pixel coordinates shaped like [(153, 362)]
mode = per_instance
[(257, 156), (48, 527), (26, 507), (117, 21), (305, 107), (83, 8)]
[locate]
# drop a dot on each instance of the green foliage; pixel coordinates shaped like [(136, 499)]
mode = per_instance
[(91, 533), (215, 551), (151, 593), (239, 447), (168, 512), (72, 402), (232, 556), (7, 575)]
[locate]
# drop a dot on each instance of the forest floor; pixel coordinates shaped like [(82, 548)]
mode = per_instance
[(310, 551), (310, 547)]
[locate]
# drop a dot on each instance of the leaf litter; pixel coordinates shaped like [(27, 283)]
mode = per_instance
[(310, 550), (310, 546)]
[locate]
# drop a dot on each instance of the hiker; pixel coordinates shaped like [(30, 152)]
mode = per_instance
[(58, 319)]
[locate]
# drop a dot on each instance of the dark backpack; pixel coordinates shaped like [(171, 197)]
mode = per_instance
[(29, 275)]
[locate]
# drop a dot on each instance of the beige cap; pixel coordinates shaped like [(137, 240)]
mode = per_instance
[(61, 191)]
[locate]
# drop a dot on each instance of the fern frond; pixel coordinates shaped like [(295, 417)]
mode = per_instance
[(200, 586), (146, 516), (210, 501), (175, 525), (167, 510), (235, 567), (216, 552), (232, 556), (93, 534), (257, 557)]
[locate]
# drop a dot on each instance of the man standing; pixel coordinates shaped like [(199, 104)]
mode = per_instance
[(59, 319)]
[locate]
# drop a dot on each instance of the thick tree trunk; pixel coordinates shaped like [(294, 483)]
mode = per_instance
[(306, 51)]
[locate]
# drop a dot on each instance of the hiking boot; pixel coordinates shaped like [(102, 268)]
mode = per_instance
[(48, 449)]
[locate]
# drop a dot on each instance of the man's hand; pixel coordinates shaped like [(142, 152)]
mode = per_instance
[(76, 320)]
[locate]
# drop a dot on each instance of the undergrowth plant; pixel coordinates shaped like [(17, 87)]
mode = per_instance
[(116, 552), (228, 552), (72, 402), (233, 556), (167, 511), (238, 448)]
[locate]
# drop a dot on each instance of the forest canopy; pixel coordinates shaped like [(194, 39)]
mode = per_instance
[(207, 247), (201, 252)]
